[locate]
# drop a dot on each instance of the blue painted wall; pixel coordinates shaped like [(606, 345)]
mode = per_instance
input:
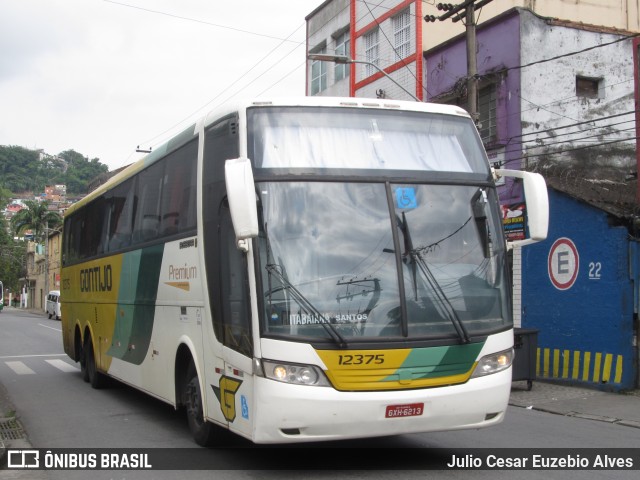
[(585, 327)]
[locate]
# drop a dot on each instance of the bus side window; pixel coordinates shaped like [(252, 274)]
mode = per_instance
[(146, 226), (178, 204), (236, 316), (123, 201)]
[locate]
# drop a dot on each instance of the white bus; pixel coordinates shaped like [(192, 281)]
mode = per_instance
[(302, 270)]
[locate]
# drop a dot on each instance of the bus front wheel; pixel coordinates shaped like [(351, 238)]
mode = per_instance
[(202, 431)]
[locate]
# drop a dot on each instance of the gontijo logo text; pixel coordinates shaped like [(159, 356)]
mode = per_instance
[(96, 279)]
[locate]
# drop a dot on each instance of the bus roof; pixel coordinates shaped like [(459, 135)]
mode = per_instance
[(344, 102), (190, 132)]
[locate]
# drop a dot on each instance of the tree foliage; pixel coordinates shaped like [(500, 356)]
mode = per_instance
[(12, 258), (36, 217), (23, 170)]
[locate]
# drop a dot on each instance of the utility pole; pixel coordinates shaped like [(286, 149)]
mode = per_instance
[(472, 65), (46, 263), (465, 10)]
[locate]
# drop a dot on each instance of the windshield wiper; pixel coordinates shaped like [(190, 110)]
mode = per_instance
[(443, 299), (307, 306), (440, 296)]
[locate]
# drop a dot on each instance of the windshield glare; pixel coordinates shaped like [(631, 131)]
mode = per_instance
[(327, 255), (299, 137)]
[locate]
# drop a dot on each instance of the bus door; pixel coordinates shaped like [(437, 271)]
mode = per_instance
[(233, 383)]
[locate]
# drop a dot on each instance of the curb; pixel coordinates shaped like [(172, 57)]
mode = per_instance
[(585, 416)]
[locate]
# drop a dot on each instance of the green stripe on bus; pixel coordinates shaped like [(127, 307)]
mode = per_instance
[(136, 304), (434, 362)]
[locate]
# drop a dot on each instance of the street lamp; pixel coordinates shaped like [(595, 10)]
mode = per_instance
[(343, 59)]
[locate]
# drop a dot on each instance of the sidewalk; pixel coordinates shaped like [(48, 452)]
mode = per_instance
[(13, 436), (618, 408)]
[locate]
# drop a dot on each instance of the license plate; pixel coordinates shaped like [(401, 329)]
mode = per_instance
[(409, 410)]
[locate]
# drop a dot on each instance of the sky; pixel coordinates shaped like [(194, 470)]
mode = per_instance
[(104, 77)]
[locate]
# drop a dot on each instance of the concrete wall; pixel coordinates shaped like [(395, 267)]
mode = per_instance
[(549, 100)]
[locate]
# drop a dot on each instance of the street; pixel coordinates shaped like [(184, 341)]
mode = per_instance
[(58, 410)]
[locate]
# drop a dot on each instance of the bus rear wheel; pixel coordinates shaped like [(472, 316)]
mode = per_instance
[(82, 358), (202, 431), (96, 379)]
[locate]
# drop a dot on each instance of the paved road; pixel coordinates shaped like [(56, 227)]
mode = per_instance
[(59, 410)]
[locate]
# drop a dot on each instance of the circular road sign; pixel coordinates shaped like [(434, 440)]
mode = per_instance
[(563, 263)]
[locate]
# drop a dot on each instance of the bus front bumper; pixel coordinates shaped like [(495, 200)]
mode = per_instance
[(291, 413)]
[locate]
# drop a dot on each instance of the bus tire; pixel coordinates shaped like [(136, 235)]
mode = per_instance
[(202, 431), (96, 379), (82, 358)]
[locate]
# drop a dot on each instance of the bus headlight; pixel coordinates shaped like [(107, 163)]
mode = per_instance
[(294, 373), (494, 363)]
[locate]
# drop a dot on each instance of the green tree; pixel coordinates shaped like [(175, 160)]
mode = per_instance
[(12, 255), (23, 170), (20, 169), (80, 171), (5, 195), (12, 264), (36, 216)]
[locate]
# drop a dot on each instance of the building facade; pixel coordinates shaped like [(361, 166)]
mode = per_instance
[(385, 41), (549, 90), (392, 34), (620, 14)]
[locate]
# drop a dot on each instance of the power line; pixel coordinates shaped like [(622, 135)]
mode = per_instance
[(233, 83), (532, 144), (576, 124), (562, 151), (558, 101), (557, 57), (539, 142), (262, 74), (288, 39), (203, 22)]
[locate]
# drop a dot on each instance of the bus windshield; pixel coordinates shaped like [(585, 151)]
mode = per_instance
[(352, 262), (299, 137)]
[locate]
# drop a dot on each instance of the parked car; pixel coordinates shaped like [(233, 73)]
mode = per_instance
[(53, 304)]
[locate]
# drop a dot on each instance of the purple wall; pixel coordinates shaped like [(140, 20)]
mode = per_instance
[(498, 49)]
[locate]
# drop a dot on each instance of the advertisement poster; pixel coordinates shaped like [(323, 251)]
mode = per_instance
[(513, 221)]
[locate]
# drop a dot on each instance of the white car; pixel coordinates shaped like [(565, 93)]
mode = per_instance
[(53, 304)]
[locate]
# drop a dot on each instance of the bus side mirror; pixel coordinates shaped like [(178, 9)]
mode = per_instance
[(537, 200), (241, 193)]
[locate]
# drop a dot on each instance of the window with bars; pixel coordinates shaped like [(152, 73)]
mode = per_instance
[(342, 48), (318, 74), (487, 101), (372, 52), (402, 34)]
